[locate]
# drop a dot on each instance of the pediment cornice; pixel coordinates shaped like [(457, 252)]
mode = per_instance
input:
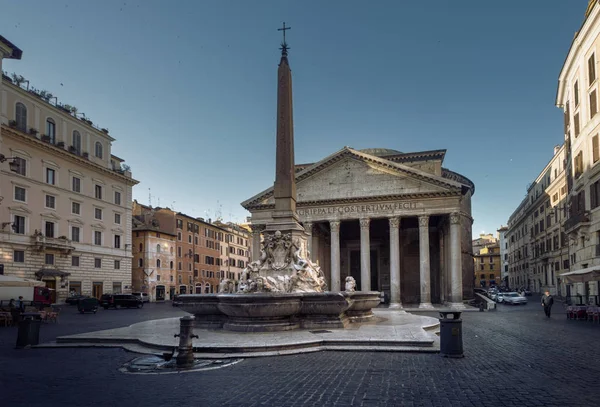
[(347, 152)]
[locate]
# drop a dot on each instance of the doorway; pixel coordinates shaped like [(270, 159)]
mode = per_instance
[(160, 293), (97, 290), (51, 284), (172, 292)]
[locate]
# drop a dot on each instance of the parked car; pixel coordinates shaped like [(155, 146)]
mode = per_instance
[(87, 305), (514, 299), (143, 296), (120, 300), (74, 299), (500, 297), (493, 295)]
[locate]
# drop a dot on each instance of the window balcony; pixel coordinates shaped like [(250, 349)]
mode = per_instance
[(576, 221), (44, 243)]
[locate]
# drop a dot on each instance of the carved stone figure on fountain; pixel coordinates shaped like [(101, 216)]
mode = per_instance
[(281, 269), (350, 284)]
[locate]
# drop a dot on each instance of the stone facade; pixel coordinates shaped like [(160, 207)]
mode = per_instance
[(577, 97), (488, 266), (376, 214), (66, 211), (537, 245), (154, 246), (236, 253)]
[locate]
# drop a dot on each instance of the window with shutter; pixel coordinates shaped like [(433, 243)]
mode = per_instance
[(593, 105), (576, 93), (592, 69), (576, 120), (595, 151)]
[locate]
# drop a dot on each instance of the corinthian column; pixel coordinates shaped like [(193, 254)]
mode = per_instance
[(456, 285), (335, 255), (424, 267), (395, 301), (365, 255)]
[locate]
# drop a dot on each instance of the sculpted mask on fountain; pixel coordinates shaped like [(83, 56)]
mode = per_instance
[(350, 284)]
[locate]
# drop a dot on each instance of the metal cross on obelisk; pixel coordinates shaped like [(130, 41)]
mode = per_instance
[(284, 47)]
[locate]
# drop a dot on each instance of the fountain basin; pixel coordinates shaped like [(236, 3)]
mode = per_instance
[(260, 312), (204, 307), (362, 303), (268, 312), (324, 310)]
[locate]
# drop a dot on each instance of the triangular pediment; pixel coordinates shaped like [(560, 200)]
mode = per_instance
[(76, 221), (350, 174), (50, 215), (19, 208)]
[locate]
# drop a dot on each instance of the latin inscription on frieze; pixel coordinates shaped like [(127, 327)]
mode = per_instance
[(359, 208)]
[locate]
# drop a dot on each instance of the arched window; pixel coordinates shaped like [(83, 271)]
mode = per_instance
[(21, 116), (141, 247), (207, 288), (98, 149), (158, 248), (51, 130), (141, 262), (171, 265), (158, 263), (76, 142)]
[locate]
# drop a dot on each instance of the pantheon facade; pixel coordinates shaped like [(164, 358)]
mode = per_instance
[(397, 222)]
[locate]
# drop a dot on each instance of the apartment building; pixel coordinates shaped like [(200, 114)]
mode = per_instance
[(537, 244), (66, 199), (237, 249), (577, 96)]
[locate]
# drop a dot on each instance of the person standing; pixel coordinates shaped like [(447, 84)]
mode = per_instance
[(547, 301)]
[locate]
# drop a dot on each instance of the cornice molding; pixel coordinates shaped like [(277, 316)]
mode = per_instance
[(347, 152), (379, 198), (32, 141)]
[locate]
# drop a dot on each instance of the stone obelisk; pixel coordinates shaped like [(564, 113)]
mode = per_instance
[(285, 217)]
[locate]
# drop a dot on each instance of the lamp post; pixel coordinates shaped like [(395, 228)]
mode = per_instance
[(13, 164)]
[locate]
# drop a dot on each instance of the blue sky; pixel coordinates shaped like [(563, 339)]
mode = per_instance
[(188, 88)]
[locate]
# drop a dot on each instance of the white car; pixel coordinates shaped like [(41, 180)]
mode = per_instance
[(514, 299), (499, 297)]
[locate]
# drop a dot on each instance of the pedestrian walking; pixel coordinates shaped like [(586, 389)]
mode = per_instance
[(547, 301)]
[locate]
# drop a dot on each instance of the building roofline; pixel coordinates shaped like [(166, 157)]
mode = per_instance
[(16, 52)]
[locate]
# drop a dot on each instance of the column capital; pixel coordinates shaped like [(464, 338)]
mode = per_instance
[(334, 225), (394, 221), (364, 222), (308, 227), (454, 218), (424, 221)]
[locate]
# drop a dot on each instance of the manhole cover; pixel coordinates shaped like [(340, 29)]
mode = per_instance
[(320, 331)]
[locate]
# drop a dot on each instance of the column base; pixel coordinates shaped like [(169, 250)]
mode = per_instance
[(456, 305), (426, 305), (395, 305)]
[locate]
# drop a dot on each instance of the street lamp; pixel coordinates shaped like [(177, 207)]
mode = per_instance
[(13, 164)]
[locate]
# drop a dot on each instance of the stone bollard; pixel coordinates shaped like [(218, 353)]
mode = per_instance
[(185, 354)]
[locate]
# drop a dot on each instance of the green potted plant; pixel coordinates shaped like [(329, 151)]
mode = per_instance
[(60, 144), (85, 154), (33, 131), (12, 123), (45, 138)]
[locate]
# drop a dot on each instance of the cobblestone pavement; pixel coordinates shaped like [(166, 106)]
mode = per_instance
[(513, 357)]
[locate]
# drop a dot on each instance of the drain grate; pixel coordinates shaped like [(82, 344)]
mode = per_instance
[(320, 331)]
